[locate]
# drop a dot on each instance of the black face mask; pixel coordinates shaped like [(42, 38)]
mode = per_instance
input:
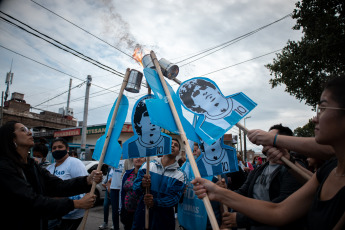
[(58, 154)]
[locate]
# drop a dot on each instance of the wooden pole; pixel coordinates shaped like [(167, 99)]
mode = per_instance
[(147, 213), (196, 172), (225, 208), (106, 142), (286, 161)]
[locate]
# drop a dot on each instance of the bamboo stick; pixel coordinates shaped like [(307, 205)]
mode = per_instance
[(147, 213), (286, 161), (106, 142), (196, 172)]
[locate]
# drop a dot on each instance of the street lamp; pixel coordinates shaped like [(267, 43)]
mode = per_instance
[(245, 139)]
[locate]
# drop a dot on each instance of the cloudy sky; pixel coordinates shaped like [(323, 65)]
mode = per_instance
[(107, 31)]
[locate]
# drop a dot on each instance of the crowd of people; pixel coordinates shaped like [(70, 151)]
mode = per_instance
[(260, 195)]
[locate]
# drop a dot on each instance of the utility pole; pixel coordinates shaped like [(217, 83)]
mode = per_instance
[(245, 139), (69, 95), (8, 81), (240, 137), (2, 108), (84, 129)]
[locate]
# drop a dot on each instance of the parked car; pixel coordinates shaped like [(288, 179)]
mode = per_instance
[(100, 190)]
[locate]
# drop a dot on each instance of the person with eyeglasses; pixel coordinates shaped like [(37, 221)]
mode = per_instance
[(28, 190), (270, 182), (321, 199)]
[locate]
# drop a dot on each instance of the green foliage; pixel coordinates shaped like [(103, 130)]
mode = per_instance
[(304, 66), (305, 131)]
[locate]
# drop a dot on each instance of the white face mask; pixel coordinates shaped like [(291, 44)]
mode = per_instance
[(38, 159)]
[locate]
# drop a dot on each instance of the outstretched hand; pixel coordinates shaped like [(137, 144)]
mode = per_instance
[(203, 187), (260, 137), (275, 154), (86, 202), (95, 176)]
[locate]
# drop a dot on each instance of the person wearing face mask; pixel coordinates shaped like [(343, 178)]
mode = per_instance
[(40, 152), (66, 167), (28, 191)]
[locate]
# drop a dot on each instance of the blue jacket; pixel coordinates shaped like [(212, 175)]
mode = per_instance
[(167, 187)]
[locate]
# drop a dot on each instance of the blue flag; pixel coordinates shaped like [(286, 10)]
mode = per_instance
[(191, 212), (159, 109), (217, 113), (216, 159), (114, 151), (148, 140)]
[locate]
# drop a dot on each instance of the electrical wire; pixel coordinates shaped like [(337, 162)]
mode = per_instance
[(83, 29), (68, 49), (239, 63), (61, 94), (228, 43)]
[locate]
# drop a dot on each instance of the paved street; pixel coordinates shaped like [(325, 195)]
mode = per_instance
[(95, 219)]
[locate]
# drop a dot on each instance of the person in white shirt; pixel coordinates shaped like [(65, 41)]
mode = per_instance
[(66, 167), (115, 186)]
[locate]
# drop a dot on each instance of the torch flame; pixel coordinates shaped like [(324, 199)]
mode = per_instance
[(138, 55)]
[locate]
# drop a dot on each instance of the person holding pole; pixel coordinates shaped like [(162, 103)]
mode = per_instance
[(129, 198), (321, 198), (270, 182), (66, 167), (28, 189), (167, 183)]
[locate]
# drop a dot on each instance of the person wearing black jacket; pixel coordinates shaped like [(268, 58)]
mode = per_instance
[(270, 182), (28, 190)]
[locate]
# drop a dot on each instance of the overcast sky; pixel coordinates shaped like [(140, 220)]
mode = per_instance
[(175, 30)]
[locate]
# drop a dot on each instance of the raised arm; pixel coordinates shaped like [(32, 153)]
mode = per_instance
[(275, 214), (304, 145)]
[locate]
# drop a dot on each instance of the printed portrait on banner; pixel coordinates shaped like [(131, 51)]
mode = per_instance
[(148, 140), (216, 113), (164, 117), (216, 159)]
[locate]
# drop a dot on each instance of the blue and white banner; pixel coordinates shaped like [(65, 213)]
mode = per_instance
[(216, 159), (191, 212), (217, 113), (148, 140), (159, 109), (114, 151)]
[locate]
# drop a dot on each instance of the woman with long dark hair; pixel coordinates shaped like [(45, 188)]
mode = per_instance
[(27, 190)]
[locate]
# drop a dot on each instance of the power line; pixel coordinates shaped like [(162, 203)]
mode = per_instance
[(84, 57), (82, 29), (54, 68), (228, 43), (240, 63), (60, 94)]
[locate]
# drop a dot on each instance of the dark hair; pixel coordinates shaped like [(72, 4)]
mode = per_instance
[(282, 130), (187, 90), (7, 146), (139, 112), (41, 147), (337, 86), (179, 145), (64, 142)]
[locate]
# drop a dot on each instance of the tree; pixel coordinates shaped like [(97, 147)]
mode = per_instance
[(304, 66), (305, 131)]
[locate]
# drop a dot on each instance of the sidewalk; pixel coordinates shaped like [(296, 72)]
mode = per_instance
[(95, 219)]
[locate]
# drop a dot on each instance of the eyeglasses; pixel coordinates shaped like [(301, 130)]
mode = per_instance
[(24, 129), (321, 109)]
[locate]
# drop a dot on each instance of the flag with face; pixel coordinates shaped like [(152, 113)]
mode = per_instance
[(216, 113), (148, 140), (159, 109), (216, 159), (113, 152)]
